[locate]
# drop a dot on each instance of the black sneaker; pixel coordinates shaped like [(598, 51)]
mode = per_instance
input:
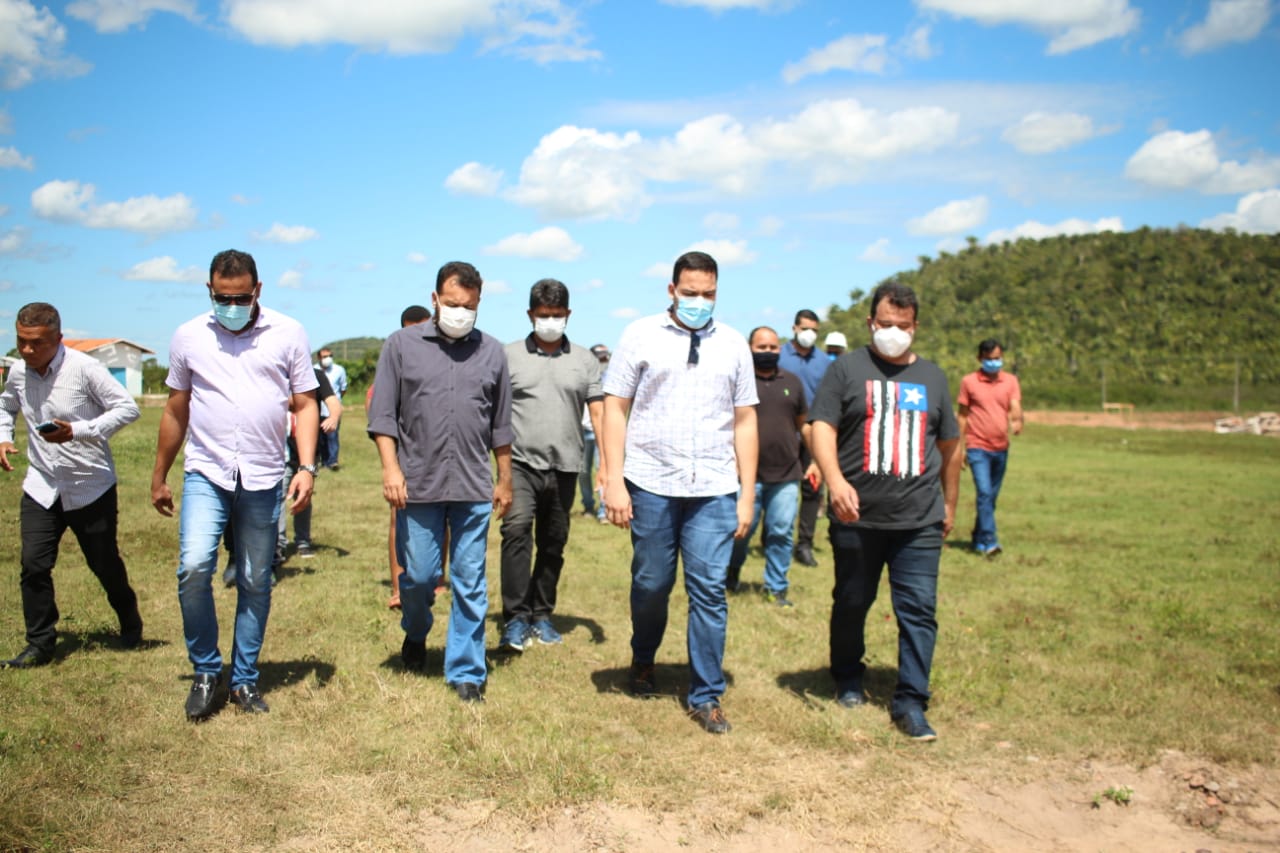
[(29, 658), (469, 692), (203, 698), (804, 556), (850, 696), (249, 699), (414, 655), (642, 682), (915, 726), (711, 717)]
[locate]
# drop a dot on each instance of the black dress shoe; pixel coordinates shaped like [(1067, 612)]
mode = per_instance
[(131, 633), (414, 655), (642, 681), (249, 699), (28, 658), (203, 698), (804, 556), (469, 692)]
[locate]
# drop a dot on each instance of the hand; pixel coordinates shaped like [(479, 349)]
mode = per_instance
[(5, 449), (301, 488), (746, 512), (329, 424), (844, 501), (61, 435), (948, 521), (814, 475), (162, 498), (394, 490), (501, 498), (617, 505)]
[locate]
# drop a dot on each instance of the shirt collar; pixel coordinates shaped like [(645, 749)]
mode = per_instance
[(669, 320), (54, 363), (531, 343), (431, 330)]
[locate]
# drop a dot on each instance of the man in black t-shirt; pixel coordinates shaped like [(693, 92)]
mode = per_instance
[(885, 437)]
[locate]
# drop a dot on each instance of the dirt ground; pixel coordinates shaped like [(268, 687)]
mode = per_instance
[(1137, 419)]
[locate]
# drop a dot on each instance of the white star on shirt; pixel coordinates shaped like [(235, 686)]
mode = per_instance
[(912, 396)]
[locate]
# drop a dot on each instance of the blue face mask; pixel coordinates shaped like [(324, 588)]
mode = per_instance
[(992, 365), (694, 311), (232, 317)]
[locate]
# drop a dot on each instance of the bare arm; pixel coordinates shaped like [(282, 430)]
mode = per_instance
[(306, 413), (173, 430), (393, 484), (334, 405), (812, 473), (595, 411), (962, 417), (502, 489), (1015, 416), (746, 449), (951, 460), (613, 448)]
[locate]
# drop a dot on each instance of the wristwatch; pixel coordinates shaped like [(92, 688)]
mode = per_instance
[(310, 469)]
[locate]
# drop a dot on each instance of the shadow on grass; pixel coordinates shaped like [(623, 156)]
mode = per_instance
[(70, 642), (433, 668), (672, 680), (814, 687), (273, 674), (563, 623)]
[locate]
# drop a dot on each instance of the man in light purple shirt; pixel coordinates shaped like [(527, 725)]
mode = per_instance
[(72, 406), (234, 375)]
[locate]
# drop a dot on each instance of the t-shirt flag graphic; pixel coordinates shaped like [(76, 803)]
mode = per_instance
[(897, 414)]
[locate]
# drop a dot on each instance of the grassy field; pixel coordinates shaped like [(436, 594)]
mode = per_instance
[(1135, 610)]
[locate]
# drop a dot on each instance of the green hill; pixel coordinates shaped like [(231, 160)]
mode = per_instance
[(1165, 318), (353, 349)]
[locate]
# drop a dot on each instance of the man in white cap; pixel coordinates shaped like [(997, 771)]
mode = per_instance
[(835, 345)]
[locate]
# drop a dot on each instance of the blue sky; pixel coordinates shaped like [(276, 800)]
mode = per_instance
[(813, 148)]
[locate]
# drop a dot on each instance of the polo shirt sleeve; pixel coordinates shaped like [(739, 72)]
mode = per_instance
[(965, 397), (386, 391)]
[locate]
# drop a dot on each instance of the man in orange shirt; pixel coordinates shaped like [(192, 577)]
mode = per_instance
[(990, 405)]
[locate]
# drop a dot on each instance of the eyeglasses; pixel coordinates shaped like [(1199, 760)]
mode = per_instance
[(693, 347), (233, 298)]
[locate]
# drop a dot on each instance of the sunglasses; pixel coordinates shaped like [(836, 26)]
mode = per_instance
[(232, 298)]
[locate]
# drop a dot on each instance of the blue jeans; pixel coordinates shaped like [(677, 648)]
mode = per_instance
[(587, 475), (699, 531), (912, 556), (988, 474), (780, 507), (206, 510), (420, 534)]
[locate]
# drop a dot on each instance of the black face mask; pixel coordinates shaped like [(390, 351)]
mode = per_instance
[(765, 361)]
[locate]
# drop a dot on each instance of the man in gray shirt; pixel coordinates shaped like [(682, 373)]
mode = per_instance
[(441, 402), (551, 380)]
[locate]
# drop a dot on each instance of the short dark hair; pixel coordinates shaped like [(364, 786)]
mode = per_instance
[(413, 315), (468, 276), (899, 296), (548, 293), (696, 262), (232, 263), (751, 337), (39, 314), (324, 350), (805, 314), (988, 346)]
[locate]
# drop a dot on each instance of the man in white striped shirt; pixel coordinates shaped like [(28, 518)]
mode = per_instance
[(72, 406)]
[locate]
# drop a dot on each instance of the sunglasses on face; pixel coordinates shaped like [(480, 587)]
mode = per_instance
[(233, 298)]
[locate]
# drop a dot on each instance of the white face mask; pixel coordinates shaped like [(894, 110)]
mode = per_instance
[(326, 362), (806, 338), (891, 342), (455, 321), (549, 329)]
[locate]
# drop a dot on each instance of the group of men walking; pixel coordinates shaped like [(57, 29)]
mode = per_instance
[(703, 436)]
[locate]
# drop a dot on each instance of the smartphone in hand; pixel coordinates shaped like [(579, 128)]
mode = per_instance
[(47, 427)]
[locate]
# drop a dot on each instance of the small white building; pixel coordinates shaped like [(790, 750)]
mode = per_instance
[(123, 358)]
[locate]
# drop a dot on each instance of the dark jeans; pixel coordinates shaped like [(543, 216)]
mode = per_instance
[(539, 516), (810, 502), (912, 556), (95, 529)]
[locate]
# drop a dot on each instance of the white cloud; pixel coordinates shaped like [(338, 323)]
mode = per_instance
[(1043, 133), (4, 209), (658, 269), (725, 5), (721, 223), (1228, 21), (728, 253), (550, 244), (877, 252), (416, 258), (164, 268), (1070, 24), (291, 279), (847, 53), (1038, 231), (539, 30), (279, 233), (768, 226), (1177, 160), (474, 179), (11, 158), (715, 148), (31, 42), (12, 241), (1256, 213), (73, 202), (580, 173), (624, 313), (952, 218), (242, 199), (593, 284), (496, 286), (6, 123), (116, 16), (915, 44)]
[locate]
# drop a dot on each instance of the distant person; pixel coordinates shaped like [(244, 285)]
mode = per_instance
[(679, 454), (591, 452), (784, 431), (411, 316), (441, 404), (835, 345), (885, 437), (72, 407), (990, 404), (801, 357), (234, 374), (329, 423), (551, 382)]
